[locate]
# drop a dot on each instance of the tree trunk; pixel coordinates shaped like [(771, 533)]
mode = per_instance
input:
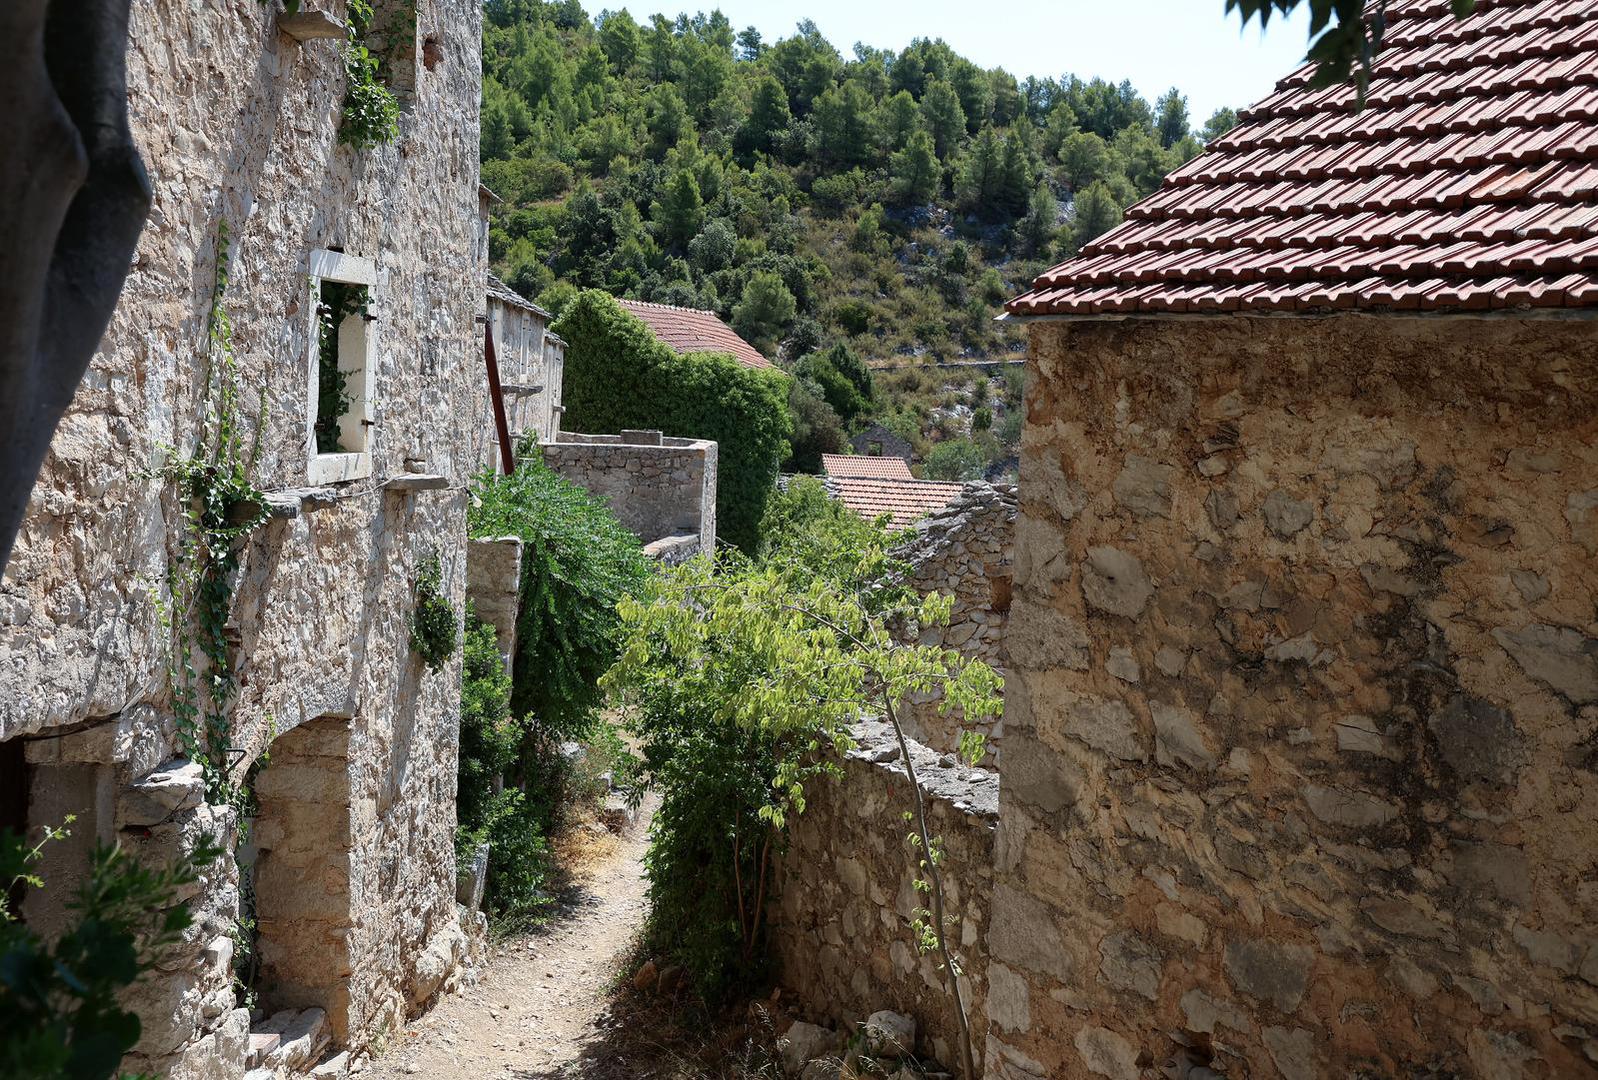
[(73, 199)]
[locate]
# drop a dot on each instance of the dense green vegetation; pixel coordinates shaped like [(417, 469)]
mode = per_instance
[(736, 676), (887, 202), (619, 375), (518, 774)]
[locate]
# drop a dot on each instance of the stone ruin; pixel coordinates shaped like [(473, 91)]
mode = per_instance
[(349, 866), (965, 551)]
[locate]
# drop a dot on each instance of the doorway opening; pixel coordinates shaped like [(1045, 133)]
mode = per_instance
[(295, 872)]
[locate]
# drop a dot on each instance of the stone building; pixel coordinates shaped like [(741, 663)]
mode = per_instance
[(531, 362), (349, 864), (1299, 763)]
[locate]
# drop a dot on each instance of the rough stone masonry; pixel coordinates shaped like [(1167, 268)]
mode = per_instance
[(1300, 743), (238, 123)]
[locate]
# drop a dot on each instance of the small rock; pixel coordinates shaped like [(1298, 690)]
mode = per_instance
[(804, 1043), (889, 1034), (670, 979), (645, 976)]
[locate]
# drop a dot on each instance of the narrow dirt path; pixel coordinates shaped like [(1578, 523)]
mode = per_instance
[(539, 1009)]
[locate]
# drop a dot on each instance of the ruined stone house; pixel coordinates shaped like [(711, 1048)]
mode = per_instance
[(349, 861), (1299, 763)]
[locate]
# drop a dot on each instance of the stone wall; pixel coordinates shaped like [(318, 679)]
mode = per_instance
[(1304, 679), (965, 551), (238, 123), (841, 922), (658, 486)]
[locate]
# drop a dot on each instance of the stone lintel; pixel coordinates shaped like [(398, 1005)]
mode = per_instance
[(305, 26)]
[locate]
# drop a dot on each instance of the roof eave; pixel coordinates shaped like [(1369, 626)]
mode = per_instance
[(1549, 313)]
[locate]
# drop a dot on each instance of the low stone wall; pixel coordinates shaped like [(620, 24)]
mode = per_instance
[(845, 892), (964, 550), (658, 486)]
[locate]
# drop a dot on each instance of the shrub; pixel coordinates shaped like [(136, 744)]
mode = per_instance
[(954, 459), (60, 1010), (738, 676), (577, 563), (618, 375), (433, 630)]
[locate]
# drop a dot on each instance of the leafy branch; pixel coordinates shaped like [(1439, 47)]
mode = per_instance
[(786, 653)]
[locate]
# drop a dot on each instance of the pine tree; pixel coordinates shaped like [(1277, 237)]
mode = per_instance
[(1085, 158), (679, 212), (1037, 230), (765, 311), (944, 116), (1171, 117), (897, 118), (978, 185), (842, 124), (1095, 213), (916, 174), (1014, 187), (668, 122)]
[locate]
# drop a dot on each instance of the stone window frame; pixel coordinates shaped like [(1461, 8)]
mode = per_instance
[(346, 465)]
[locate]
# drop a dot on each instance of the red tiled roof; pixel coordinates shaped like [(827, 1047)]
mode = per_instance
[(1469, 182), (906, 501), (883, 468), (691, 330)]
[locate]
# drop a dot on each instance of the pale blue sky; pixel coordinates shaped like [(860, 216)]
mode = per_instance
[(1191, 44)]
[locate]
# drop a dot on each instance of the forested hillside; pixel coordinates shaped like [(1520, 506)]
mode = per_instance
[(842, 213)]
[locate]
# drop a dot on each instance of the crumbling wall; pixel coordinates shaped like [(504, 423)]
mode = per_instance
[(1303, 681), (239, 126), (845, 894), (964, 550), (657, 486)]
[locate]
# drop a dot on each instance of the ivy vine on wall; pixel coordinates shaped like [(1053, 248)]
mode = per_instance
[(434, 632), (219, 507), (371, 111)]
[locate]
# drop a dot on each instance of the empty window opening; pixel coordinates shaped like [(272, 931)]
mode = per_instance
[(295, 865), (341, 362), (342, 310)]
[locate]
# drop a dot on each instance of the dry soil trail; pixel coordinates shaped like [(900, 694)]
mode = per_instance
[(539, 1010)]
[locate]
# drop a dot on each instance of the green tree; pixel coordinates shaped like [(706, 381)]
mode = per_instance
[(1094, 212), (817, 430), (1038, 229), (944, 117), (1220, 122), (954, 459), (897, 119), (680, 212), (621, 40), (768, 118), (977, 186), (765, 310), (668, 124), (1085, 158), (738, 679), (750, 45), (1015, 176), (1171, 120), (914, 171), (842, 121)]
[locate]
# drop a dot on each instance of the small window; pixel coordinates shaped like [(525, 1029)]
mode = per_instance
[(342, 358)]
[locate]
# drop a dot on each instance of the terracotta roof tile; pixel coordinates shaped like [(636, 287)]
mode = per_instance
[(690, 330), (905, 501), (1474, 164), (883, 468)]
